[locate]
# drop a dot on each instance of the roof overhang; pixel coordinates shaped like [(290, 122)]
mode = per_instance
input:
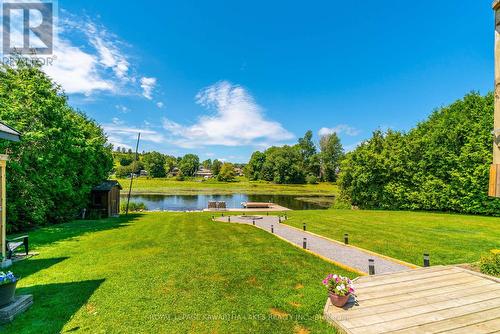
[(9, 133), (496, 4)]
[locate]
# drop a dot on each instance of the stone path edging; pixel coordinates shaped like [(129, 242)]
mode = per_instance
[(345, 256)]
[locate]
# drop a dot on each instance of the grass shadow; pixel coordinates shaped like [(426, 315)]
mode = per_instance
[(53, 307), (30, 266), (55, 233)]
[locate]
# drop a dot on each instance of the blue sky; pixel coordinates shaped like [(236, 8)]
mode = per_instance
[(222, 79)]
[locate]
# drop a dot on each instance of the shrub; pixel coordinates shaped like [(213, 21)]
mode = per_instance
[(312, 179), (442, 164), (126, 161), (133, 207), (341, 204), (227, 173), (490, 263)]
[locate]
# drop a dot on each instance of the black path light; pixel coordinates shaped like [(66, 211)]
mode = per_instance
[(427, 260), (253, 221), (304, 243), (272, 229), (304, 227), (346, 238), (371, 266)]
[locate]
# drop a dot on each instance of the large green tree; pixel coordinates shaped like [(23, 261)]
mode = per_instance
[(253, 170), (227, 173), (189, 164), (216, 167), (283, 165), (331, 155), (442, 164), (155, 164), (61, 156), (310, 160)]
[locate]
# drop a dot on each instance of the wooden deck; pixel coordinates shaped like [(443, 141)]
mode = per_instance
[(441, 299)]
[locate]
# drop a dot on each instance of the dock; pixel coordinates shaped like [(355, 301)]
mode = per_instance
[(440, 299), (270, 207)]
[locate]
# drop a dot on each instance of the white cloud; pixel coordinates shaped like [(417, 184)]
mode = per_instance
[(340, 129), (88, 59), (123, 135), (117, 121), (160, 105), (237, 121), (148, 85), (76, 71), (122, 108)]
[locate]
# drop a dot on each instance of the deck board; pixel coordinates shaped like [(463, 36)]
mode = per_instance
[(428, 300)]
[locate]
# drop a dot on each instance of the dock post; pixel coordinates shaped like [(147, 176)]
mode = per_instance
[(371, 266)]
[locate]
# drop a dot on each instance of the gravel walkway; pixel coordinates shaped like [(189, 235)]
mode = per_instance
[(338, 252)]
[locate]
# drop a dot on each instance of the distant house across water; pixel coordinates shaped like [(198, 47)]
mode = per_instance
[(205, 173)]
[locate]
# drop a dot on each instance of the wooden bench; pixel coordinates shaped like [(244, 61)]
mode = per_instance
[(13, 244)]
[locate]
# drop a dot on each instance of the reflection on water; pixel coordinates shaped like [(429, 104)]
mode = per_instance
[(200, 202)]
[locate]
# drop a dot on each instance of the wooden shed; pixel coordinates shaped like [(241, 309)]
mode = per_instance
[(105, 199)]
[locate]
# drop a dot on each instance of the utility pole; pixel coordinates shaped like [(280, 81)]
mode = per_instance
[(494, 186), (132, 174)]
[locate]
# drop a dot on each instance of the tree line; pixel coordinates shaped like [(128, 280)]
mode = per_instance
[(299, 163), (158, 165), (62, 155), (442, 164)]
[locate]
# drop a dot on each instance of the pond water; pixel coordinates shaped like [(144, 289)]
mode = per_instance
[(200, 202)]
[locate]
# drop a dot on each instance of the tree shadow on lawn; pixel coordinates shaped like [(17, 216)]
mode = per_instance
[(28, 267), (53, 306), (55, 233)]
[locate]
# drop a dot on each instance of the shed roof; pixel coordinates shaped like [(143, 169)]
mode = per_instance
[(107, 185), (9, 133)]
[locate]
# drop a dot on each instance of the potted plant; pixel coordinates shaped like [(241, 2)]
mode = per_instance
[(8, 283), (339, 289)]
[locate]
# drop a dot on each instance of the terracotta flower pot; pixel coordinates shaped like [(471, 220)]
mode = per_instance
[(7, 292), (339, 301)]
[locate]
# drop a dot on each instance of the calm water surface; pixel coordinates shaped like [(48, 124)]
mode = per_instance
[(200, 202)]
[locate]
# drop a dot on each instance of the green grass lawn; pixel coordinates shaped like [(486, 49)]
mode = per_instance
[(170, 186), (449, 238), (169, 273)]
